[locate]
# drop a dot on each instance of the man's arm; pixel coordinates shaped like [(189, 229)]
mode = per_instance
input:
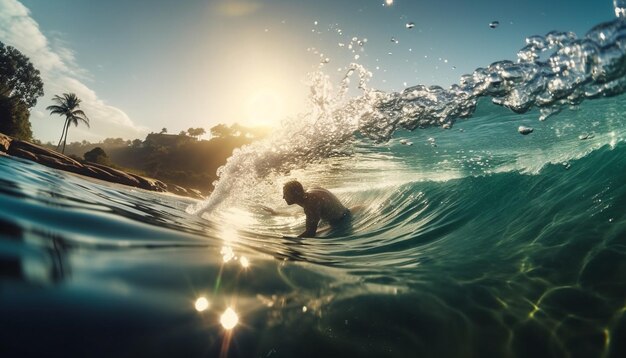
[(312, 220)]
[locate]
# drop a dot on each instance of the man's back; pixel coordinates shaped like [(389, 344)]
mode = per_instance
[(330, 208), (318, 204)]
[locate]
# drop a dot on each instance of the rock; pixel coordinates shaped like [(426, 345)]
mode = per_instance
[(53, 159), (24, 154), (35, 149), (5, 142), (120, 176)]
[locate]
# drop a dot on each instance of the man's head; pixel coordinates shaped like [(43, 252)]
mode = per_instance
[(293, 192)]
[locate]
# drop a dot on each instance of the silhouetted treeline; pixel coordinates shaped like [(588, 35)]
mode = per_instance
[(173, 158)]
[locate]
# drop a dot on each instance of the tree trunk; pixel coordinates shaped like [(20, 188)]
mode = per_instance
[(65, 139), (63, 133)]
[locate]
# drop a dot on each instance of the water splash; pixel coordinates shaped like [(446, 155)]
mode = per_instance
[(322, 133), (620, 9), (575, 70)]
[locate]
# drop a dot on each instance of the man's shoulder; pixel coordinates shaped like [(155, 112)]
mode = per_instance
[(317, 191)]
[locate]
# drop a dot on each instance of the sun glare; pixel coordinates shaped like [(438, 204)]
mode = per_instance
[(265, 107)]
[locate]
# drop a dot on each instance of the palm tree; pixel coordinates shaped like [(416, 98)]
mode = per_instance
[(68, 106)]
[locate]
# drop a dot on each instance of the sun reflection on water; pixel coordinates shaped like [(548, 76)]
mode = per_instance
[(202, 304), (229, 319), (245, 263), (227, 253)]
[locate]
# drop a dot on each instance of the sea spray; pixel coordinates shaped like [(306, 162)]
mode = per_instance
[(325, 131), (577, 69)]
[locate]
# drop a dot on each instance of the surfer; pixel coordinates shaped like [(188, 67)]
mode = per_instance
[(318, 203)]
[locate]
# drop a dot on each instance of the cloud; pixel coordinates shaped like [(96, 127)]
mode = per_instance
[(236, 8), (61, 74)]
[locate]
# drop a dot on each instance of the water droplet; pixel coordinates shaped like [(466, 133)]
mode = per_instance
[(620, 9), (356, 57), (525, 130), (494, 24), (393, 39), (389, 2), (410, 25), (315, 23), (326, 60)]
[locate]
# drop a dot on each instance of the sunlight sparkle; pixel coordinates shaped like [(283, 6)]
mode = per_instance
[(229, 319), (245, 263), (202, 304)]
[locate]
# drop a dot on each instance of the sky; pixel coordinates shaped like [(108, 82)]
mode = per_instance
[(143, 65)]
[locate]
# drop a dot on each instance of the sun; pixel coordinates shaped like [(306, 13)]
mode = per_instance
[(265, 107)]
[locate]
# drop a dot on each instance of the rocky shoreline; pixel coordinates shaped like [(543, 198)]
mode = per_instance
[(18, 148)]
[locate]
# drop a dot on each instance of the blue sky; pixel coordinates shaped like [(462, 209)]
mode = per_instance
[(143, 65)]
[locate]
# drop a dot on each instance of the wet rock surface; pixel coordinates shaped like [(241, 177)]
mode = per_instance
[(25, 150)]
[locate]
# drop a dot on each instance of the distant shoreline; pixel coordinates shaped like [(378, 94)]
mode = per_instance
[(50, 158)]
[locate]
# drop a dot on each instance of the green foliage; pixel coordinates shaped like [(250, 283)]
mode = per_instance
[(68, 106), (97, 155), (196, 132), (18, 77), (14, 118)]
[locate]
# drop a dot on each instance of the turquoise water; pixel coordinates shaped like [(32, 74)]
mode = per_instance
[(474, 241)]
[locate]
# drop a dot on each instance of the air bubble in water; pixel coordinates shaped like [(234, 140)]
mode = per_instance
[(389, 2), (393, 39), (494, 24), (356, 57), (410, 25)]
